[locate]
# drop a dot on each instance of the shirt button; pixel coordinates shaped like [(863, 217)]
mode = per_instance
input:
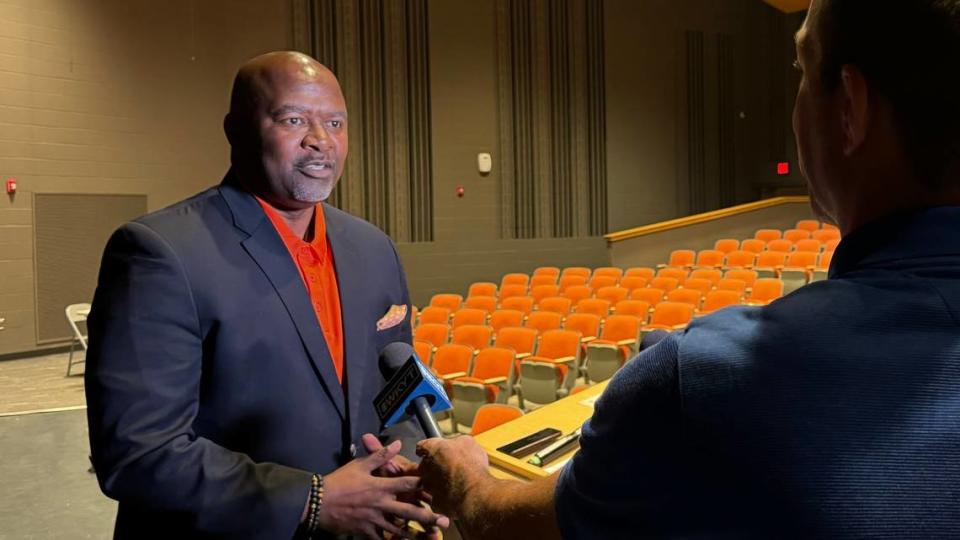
[(312, 277), (353, 450)]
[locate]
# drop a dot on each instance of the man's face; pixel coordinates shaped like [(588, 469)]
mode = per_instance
[(815, 123), (301, 118)]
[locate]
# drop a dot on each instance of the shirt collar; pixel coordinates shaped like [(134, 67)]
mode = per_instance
[(898, 238), (319, 242)]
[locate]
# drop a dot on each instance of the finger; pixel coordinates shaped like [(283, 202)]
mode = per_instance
[(371, 442), (401, 484), (398, 531), (419, 514), (379, 458), (427, 447)]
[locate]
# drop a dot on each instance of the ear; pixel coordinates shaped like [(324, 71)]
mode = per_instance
[(856, 109)]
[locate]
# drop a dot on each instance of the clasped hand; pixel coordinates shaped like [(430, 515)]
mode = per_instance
[(375, 494)]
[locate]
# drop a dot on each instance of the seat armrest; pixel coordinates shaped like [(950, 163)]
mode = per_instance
[(627, 342), (679, 326), (454, 375), (563, 359), (495, 380), (588, 339), (601, 345)]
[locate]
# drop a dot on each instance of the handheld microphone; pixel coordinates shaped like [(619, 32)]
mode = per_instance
[(411, 390)]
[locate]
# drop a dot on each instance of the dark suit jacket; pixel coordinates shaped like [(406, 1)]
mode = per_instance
[(212, 396)]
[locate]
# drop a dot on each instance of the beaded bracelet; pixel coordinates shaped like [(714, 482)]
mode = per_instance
[(316, 501)]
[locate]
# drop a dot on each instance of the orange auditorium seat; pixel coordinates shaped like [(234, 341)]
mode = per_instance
[(482, 288), (519, 303), (469, 316), (795, 235), (825, 235), (449, 301), (633, 282), (492, 415), (719, 299), (571, 281), (726, 245), (617, 343), (437, 334), (599, 282), (561, 348), (515, 279), (712, 275), (649, 295), (548, 271), (635, 308), (710, 258), (508, 291), (664, 283), (576, 271), (608, 271), (809, 225), (801, 259), (698, 284), (486, 303), (747, 276), (491, 371), (670, 316), (831, 245), (577, 293), (613, 294), (765, 290), (678, 274), (783, 245), (505, 318), (640, 271), (753, 245), (597, 306), (767, 235), (682, 257), (434, 315), (450, 361), (588, 324), (769, 263), (543, 291), (474, 335), (824, 262), (741, 259), (556, 304), (739, 286), (686, 296), (423, 350), (809, 244), (537, 281), (541, 321), (521, 340)]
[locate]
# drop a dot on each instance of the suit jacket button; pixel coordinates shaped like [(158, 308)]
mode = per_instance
[(353, 450)]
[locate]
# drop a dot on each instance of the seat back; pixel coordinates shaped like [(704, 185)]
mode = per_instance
[(541, 321), (447, 300), (753, 245), (493, 362), (482, 288), (809, 244), (581, 271), (640, 271), (556, 304), (492, 415), (746, 276), (771, 259), (486, 303), (522, 340), (766, 290), (710, 258), (678, 274), (519, 303), (452, 358), (720, 299), (782, 245), (548, 271), (824, 235), (801, 259), (795, 235), (608, 271), (588, 324), (424, 351), (537, 281), (634, 308), (434, 315), (474, 335), (741, 259), (597, 306), (726, 245), (664, 283), (613, 294), (686, 296), (515, 278), (672, 314), (699, 284), (510, 291), (808, 225), (682, 257), (621, 327), (505, 318), (577, 293), (823, 263), (738, 286), (650, 295), (766, 235), (831, 245), (633, 282), (540, 382), (712, 275), (599, 282), (571, 281), (469, 316), (543, 291), (77, 315), (437, 334)]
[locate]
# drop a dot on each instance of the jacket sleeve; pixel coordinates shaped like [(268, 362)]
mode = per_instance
[(143, 383)]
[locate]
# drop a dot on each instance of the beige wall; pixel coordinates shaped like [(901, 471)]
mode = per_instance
[(113, 96)]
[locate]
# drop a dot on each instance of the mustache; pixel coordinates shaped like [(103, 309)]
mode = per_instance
[(303, 162)]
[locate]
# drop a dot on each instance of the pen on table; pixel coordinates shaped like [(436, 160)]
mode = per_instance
[(555, 450)]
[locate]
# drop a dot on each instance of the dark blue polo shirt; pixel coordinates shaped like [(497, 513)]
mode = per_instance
[(832, 413)]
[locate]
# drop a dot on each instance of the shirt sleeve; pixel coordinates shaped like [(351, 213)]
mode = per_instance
[(622, 478)]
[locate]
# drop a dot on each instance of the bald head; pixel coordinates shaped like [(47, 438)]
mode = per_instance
[(287, 128)]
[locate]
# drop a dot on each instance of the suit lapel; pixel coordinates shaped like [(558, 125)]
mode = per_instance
[(351, 282), (266, 248)]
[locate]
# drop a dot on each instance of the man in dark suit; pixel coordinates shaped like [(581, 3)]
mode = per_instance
[(234, 339), (834, 412)]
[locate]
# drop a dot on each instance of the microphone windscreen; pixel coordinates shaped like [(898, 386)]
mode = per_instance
[(393, 357)]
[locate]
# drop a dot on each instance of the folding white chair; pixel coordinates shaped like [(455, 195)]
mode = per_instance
[(77, 313)]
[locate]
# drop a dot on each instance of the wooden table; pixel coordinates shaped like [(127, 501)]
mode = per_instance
[(566, 415)]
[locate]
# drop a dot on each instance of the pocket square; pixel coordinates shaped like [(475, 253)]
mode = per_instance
[(394, 316)]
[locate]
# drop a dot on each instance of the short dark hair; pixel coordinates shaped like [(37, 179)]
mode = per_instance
[(909, 52)]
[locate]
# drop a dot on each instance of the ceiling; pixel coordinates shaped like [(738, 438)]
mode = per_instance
[(789, 6)]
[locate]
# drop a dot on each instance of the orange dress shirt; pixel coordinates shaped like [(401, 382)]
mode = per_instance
[(315, 262)]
